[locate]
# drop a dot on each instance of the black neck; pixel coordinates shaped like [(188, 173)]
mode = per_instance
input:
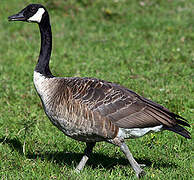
[(46, 47)]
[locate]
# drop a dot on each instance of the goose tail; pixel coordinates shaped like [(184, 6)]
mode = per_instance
[(179, 129)]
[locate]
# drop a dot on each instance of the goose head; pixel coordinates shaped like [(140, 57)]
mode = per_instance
[(32, 13)]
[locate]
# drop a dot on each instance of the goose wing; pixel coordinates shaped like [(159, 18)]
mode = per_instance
[(121, 106)]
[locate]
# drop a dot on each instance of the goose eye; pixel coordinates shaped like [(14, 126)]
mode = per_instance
[(32, 9)]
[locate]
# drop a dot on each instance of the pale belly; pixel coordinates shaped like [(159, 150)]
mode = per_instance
[(75, 127)]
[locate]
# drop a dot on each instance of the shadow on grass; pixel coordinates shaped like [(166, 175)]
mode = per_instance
[(96, 160), (14, 144), (69, 158)]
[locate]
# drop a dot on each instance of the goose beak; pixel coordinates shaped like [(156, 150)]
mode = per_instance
[(17, 17)]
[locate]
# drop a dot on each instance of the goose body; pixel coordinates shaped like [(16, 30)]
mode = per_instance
[(92, 110)]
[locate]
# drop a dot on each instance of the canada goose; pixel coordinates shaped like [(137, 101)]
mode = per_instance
[(93, 110)]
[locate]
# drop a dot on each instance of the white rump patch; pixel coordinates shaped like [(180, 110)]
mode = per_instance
[(137, 132), (38, 16)]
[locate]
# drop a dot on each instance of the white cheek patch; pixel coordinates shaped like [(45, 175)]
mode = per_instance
[(38, 16)]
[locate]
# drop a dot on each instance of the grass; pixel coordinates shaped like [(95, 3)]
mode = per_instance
[(145, 45)]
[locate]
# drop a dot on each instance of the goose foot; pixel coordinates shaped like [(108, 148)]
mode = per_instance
[(140, 174)]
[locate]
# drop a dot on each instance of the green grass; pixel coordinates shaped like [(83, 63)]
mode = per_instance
[(146, 46)]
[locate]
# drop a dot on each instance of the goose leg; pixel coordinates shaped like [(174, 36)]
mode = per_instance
[(136, 167), (87, 153)]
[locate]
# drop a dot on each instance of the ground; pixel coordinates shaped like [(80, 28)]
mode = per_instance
[(144, 45)]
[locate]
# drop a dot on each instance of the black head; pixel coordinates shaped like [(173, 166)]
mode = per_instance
[(31, 13)]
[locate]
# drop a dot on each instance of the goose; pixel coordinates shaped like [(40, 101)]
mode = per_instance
[(93, 110)]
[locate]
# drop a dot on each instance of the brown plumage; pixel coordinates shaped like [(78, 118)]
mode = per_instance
[(105, 107), (92, 110)]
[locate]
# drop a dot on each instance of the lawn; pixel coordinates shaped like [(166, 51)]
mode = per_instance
[(147, 46)]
